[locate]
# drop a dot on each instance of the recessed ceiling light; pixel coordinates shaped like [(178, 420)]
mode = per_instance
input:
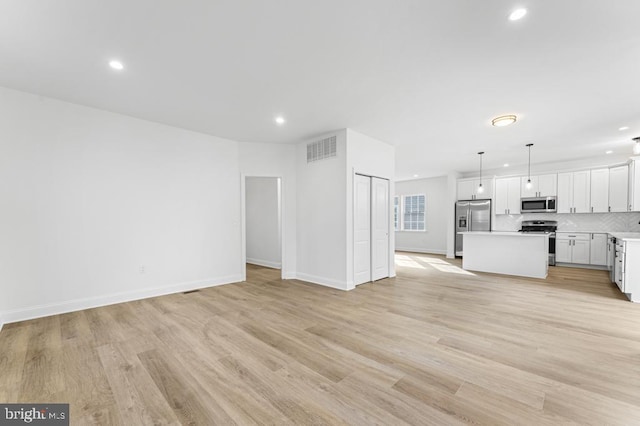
[(609, 152), (517, 14), (116, 65), (503, 120), (506, 164), (280, 120), (415, 175), (623, 128)]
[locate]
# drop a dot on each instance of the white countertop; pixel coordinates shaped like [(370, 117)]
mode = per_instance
[(562, 231), (506, 233), (627, 236)]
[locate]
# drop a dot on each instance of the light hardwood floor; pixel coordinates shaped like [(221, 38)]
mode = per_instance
[(436, 345)]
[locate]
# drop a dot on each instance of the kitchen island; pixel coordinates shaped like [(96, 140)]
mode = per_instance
[(509, 253)]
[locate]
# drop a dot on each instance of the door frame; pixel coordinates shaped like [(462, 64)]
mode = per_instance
[(243, 221)]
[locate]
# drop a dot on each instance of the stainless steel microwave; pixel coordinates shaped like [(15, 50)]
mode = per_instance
[(538, 205)]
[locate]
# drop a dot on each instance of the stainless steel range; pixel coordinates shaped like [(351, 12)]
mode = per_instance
[(543, 227)]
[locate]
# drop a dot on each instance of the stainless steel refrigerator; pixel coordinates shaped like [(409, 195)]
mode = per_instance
[(472, 215)]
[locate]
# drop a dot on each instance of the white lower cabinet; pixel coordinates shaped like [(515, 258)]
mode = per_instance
[(598, 250), (573, 248)]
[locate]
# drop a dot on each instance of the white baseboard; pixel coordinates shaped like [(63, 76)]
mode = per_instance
[(288, 275), (94, 302), (1, 321), (339, 285), (421, 250), (265, 263)]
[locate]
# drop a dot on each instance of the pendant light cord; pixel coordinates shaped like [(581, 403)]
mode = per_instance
[(529, 145)]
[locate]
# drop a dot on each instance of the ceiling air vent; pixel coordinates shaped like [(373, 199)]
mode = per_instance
[(322, 149)]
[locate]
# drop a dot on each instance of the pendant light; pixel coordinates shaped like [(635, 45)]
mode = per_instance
[(529, 145), (480, 188), (636, 147)]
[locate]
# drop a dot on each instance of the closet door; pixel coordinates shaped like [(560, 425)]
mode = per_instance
[(362, 230), (380, 208)]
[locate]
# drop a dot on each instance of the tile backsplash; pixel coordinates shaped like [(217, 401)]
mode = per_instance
[(619, 222)]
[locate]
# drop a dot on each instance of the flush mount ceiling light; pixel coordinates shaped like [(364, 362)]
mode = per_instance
[(415, 175), (480, 188), (517, 14), (116, 65), (279, 120), (529, 145), (503, 120), (506, 164), (623, 128), (609, 152), (636, 146)]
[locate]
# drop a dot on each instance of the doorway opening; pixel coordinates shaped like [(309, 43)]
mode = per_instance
[(262, 224)]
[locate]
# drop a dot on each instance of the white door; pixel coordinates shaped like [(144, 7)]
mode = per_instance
[(565, 192), (380, 228), (563, 250), (582, 192), (362, 230), (580, 252), (514, 195), (502, 196), (548, 185), (619, 189), (598, 251), (600, 191)]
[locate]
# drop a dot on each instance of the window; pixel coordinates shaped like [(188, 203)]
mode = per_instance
[(396, 213), (413, 215)]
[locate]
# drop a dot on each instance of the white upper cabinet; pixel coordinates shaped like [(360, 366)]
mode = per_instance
[(634, 185), (581, 191), (507, 197), (541, 186), (468, 189), (619, 189), (600, 190), (548, 185), (565, 193), (574, 192)]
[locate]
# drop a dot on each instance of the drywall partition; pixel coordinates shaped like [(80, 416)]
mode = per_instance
[(321, 215), (452, 197), (99, 208), (262, 198), (371, 157), (434, 238), (277, 160)]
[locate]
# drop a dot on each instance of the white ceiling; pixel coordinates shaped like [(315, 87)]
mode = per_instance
[(426, 76)]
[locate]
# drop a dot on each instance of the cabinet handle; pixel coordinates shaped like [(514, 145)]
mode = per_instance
[(609, 209)]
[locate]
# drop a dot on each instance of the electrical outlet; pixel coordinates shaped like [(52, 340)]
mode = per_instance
[(142, 269)]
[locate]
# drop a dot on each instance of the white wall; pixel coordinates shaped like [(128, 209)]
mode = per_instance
[(262, 195), (88, 198), (321, 217), (277, 160), (434, 239), (371, 157)]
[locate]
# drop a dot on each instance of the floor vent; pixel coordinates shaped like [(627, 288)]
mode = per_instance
[(190, 291), (322, 149)]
